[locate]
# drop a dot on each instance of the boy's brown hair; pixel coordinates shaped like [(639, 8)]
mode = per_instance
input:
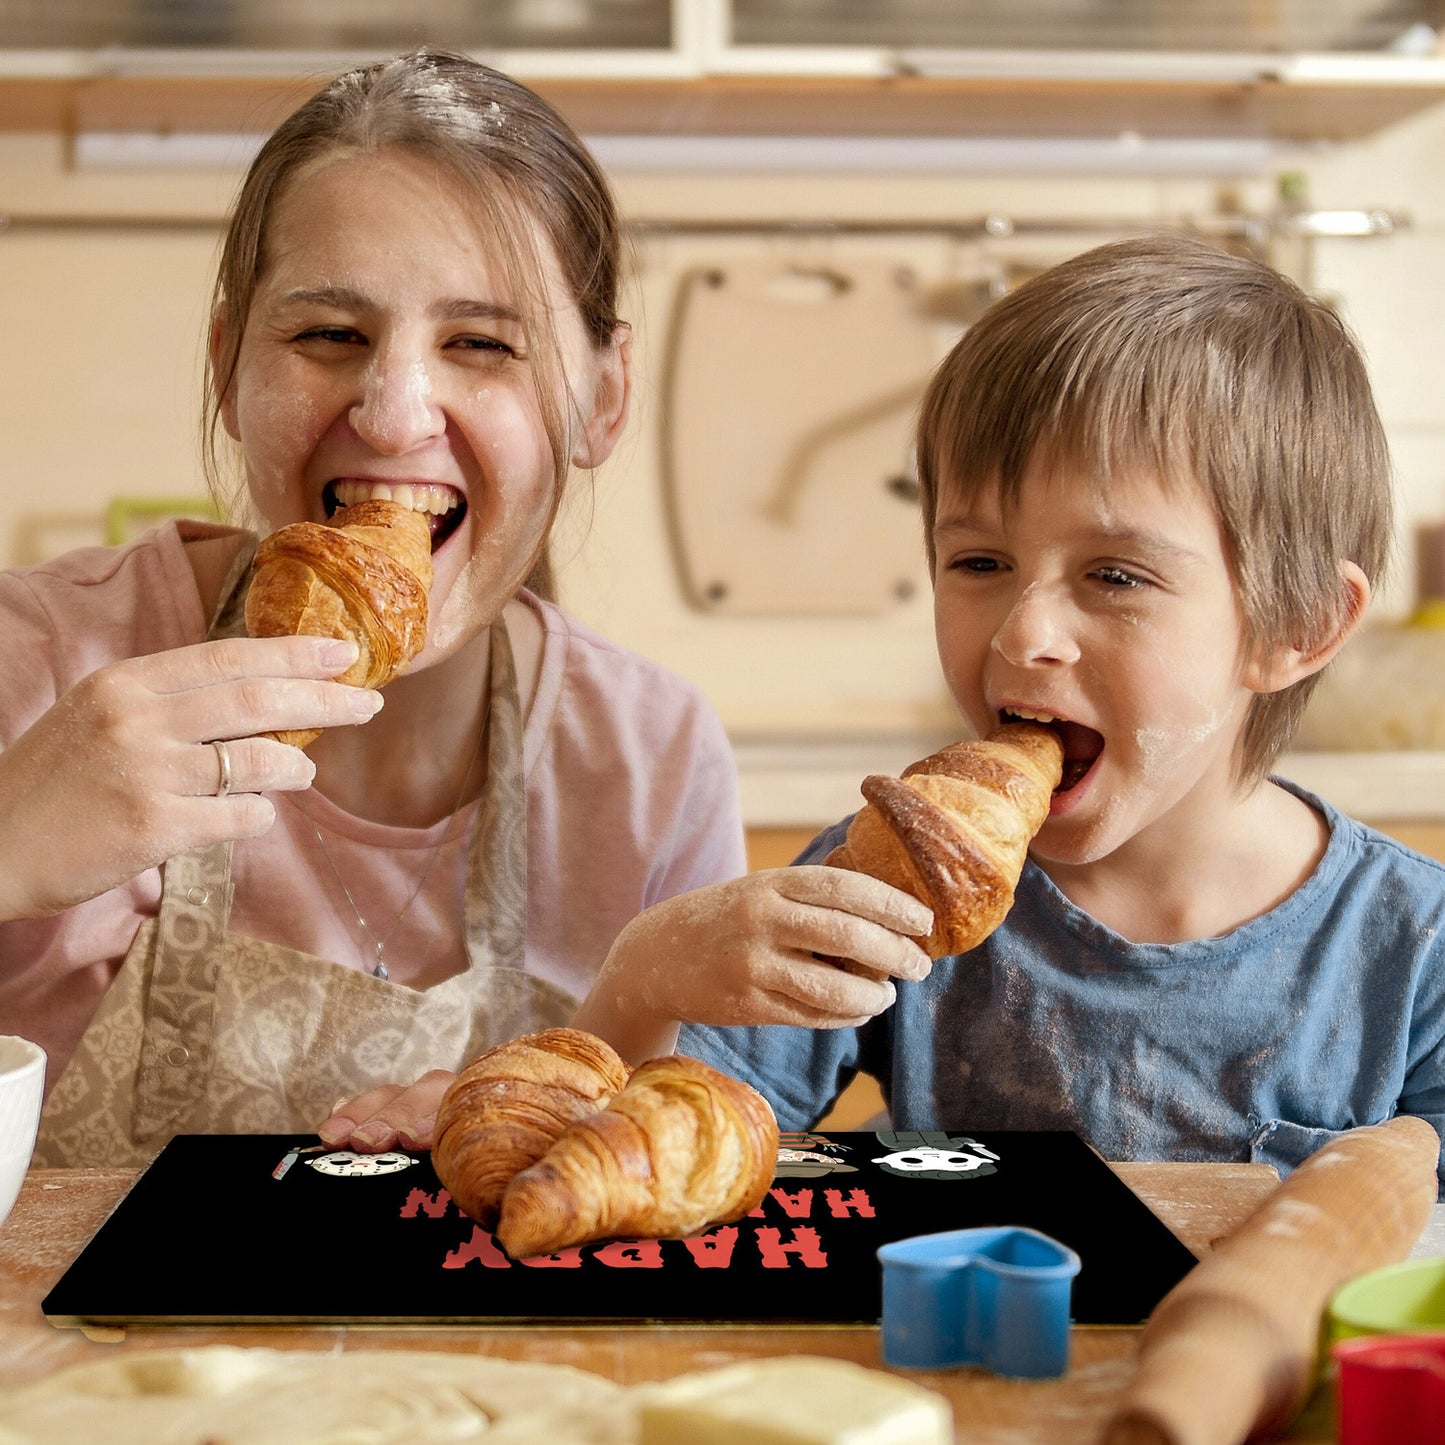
[(1168, 357)]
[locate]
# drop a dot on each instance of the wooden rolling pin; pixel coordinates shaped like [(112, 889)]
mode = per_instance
[(1230, 1354)]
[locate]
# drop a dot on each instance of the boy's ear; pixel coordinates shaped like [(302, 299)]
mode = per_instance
[(228, 402), (1277, 668), (611, 396)]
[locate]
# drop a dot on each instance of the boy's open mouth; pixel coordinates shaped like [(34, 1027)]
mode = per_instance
[(444, 506), (1082, 745)]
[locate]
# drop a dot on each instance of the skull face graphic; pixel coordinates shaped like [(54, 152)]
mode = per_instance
[(914, 1161), (939, 1157)]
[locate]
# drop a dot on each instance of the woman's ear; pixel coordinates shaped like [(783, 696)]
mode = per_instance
[(1277, 668), (214, 349), (611, 397)]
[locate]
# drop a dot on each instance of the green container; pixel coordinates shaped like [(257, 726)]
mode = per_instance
[(1400, 1299)]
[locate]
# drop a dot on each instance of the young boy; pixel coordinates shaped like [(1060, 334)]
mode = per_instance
[(1156, 496)]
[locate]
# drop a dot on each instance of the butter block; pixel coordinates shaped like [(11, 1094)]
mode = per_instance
[(793, 1400)]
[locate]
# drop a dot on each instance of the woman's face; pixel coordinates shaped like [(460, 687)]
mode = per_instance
[(385, 356)]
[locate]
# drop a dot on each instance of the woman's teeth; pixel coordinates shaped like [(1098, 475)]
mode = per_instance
[(1022, 714), (420, 497), (444, 507)]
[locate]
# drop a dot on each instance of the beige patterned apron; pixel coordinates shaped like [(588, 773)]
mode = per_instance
[(205, 1031)]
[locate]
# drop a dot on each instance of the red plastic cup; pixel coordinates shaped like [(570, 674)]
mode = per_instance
[(1390, 1389)]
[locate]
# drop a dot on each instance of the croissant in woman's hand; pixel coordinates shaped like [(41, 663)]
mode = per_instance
[(510, 1105), (955, 829), (364, 575), (681, 1148)]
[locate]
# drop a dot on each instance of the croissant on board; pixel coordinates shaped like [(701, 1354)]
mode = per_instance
[(509, 1106), (955, 829), (680, 1148), (363, 575)]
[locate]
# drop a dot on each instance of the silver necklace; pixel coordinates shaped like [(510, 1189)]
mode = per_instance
[(379, 944)]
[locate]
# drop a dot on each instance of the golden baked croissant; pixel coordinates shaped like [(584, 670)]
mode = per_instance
[(508, 1107), (363, 575), (681, 1148), (955, 829)]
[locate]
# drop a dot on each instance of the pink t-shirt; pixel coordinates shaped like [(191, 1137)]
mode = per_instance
[(631, 798)]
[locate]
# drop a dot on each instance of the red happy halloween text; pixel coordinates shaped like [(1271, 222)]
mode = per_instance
[(777, 1248)]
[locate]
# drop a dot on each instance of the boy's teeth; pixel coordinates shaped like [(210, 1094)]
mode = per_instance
[(423, 497), (1027, 716)]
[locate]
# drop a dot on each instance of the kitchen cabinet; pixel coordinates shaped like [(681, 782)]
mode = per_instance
[(1169, 27)]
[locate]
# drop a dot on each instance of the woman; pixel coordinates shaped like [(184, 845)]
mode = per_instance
[(210, 930)]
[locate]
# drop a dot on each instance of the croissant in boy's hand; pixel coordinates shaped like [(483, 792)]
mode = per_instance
[(560, 1159), (364, 575), (955, 829)]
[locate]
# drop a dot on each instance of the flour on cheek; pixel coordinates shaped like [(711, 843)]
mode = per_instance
[(509, 510), (1161, 748), (269, 423), (488, 579), (1160, 772)]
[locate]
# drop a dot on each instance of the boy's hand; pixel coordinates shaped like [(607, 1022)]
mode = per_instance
[(813, 946)]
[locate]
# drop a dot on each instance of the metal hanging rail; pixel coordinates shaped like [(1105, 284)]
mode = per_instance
[(1253, 228)]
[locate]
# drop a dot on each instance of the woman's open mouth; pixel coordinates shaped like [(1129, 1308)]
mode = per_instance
[(444, 506), (1082, 745)]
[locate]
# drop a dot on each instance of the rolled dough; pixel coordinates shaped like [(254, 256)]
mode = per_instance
[(228, 1395), (222, 1393)]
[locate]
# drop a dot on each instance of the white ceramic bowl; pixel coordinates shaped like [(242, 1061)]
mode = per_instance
[(22, 1083)]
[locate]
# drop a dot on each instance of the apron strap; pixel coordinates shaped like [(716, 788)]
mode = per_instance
[(229, 618), (496, 891), (176, 1041)]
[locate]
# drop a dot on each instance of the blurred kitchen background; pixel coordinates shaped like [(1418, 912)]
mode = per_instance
[(822, 194)]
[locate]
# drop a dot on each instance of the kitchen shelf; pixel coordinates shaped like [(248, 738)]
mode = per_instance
[(73, 94)]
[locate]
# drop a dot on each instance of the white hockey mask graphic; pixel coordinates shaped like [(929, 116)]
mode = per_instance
[(953, 1161)]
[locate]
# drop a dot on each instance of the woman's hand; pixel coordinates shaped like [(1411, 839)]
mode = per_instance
[(120, 774), (395, 1116), (813, 946)]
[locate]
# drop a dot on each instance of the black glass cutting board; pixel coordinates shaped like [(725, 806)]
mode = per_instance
[(275, 1229)]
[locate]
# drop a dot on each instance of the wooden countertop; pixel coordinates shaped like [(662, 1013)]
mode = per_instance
[(59, 1210)]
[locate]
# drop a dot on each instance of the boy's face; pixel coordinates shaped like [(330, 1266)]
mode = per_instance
[(1112, 609)]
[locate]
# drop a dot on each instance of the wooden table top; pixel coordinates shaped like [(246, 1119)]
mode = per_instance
[(59, 1210)]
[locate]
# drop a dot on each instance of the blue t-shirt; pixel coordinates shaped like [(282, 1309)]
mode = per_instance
[(1261, 1045)]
